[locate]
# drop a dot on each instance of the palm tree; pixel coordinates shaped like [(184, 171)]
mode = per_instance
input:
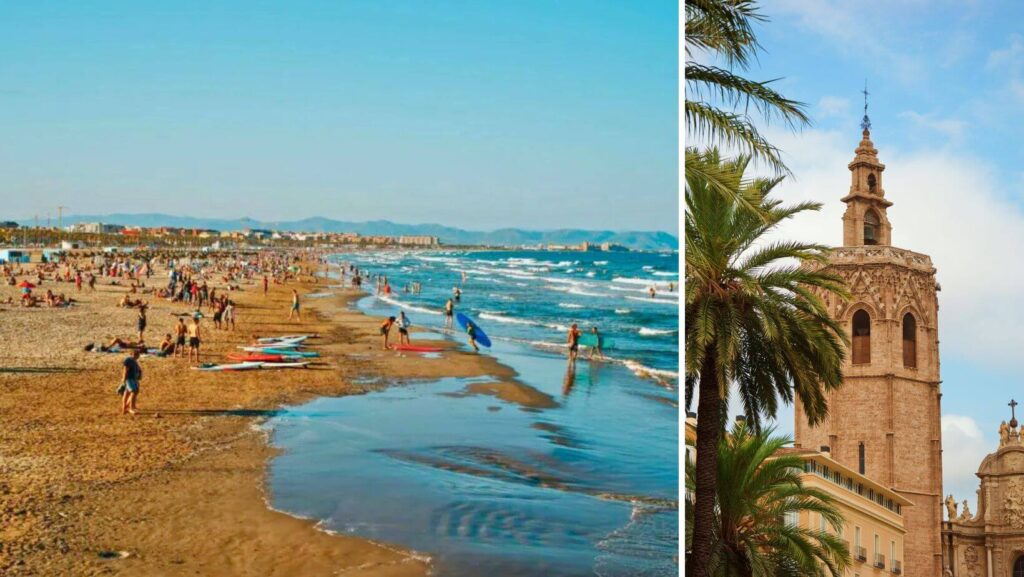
[(722, 30), (754, 320), (758, 488)]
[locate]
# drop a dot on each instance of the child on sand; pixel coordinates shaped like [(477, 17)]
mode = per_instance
[(385, 330)]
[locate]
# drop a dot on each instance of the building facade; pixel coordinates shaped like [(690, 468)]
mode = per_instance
[(990, 542), (874, 527), (884, 422)]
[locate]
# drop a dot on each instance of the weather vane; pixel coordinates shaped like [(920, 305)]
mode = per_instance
[(865, 124)]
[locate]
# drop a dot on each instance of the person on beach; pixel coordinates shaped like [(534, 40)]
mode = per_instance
[(597, 345), (180, 331), (458, 294), (166, 346), (471, 332), (449, 313), (574, 343), (229, 315), (218, 311), (295, 307), (142, 322), (194, 335), (403, 329), (651, 292), (266, 284), (385, 330), (131, 374)]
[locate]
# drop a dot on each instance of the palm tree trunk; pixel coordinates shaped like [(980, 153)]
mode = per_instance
[(709, 428)]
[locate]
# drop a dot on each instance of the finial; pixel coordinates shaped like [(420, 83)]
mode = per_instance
[(865, 124), (1013, 413)]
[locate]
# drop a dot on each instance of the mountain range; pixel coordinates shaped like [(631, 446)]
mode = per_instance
[(637, 240)]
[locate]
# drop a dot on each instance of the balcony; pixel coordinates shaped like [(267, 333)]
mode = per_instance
[(880, 561), (862, 554), (897, 566)]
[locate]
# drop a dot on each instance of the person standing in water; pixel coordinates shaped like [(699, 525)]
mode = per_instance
[(597, 345), (385, 330), (651, 291), (295, 307), (403, 329), (471, 332), (574, 343), (458, 294), (449, 313)]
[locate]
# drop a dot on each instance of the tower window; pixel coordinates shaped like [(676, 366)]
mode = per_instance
[(860, 459), (909, 341), (872, 184), (861, 338), (871, 226)]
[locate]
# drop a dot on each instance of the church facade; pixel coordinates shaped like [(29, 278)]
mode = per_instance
[(884, 422)]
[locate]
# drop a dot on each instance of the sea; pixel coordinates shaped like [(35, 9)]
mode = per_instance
[(583, 480)]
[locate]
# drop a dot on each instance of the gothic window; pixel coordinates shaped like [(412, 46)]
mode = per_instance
[(872, 184), (871, 225), (1018, 567), (909, 341), (860, 459), (861, 338)]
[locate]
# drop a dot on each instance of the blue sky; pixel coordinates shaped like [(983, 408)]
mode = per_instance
[(477, 114), (947, 107)]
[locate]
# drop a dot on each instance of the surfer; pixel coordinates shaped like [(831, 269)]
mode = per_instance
[(574, 343), (597, 345), (471, 331), (385, 330), (403, 329), (449, 313)]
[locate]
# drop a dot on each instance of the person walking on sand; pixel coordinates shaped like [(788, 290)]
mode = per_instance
[(385, 330), (194, 334), (229, 315), (295, 307), (597, 345), (574, 343), (131, 374), (266, 284), (142, 321), (471, 332), (403, 329), (180, 331), (449, 313)]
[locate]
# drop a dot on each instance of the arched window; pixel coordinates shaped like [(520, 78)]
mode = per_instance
[(861, 338), (1018, 567), (871, 225), (909, 341), (860, 459), (872, 184)]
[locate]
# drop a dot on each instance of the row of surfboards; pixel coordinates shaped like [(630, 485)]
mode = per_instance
[(269, 353)]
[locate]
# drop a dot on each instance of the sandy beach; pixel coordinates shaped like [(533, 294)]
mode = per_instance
[(179, 488)]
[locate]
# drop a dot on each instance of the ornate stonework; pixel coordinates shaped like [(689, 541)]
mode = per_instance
[(1013, 502)]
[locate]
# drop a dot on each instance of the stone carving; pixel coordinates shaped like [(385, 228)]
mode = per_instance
[(951, 508), (966, 515), (1013, 504), (971, 566), (1004, 434)]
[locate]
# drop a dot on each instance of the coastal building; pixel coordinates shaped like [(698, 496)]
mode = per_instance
[(95, 228), (884, 422), (990, 542), (418, 240), (9, 225), (612, 247)]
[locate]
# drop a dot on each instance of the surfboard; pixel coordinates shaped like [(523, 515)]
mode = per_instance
[(262, 357), (481, 337), (417, 348), (291, 353), (285, 339), (231, 367), (590, 340), (297, 365)]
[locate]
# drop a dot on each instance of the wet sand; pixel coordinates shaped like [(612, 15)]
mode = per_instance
[(179, 488)]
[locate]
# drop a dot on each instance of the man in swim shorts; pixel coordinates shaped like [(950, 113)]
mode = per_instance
[(180, 330), (574, 343), (449, 312), (385, 330), (295, 307), (194, 335), (403, 329)]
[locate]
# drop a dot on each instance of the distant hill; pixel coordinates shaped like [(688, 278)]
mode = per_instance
[(639, 240)]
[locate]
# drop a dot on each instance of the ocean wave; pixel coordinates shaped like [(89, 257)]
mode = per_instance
[(656, 332), (600, 262), (407, 306), (674, 302), (570, 306), (622, 311), (660, 273), (510, 320)]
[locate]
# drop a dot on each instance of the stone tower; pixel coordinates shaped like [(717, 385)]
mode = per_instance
[(884, 422)]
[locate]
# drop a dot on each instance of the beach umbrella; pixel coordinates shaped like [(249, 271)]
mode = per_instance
[(26, 284)]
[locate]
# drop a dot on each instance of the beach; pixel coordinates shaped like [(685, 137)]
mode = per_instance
[(179, 488)]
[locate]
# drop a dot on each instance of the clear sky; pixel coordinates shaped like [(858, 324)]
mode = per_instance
[(947, 105), (478, 114)]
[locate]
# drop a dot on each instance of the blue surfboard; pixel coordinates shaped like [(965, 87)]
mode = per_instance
[(480, 336)]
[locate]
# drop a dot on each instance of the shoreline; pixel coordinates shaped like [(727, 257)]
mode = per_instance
[(181, 488)]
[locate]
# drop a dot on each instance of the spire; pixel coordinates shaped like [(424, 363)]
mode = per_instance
[(865, 123)]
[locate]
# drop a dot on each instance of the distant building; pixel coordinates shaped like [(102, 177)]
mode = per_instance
[(418, 240), (95, 228), (9, 225), (612, 247)]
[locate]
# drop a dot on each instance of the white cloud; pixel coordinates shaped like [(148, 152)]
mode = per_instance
[(1008, 58), (953, 129), (963, 448), (830, 106)]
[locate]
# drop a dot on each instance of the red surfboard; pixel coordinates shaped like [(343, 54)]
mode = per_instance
[(246, 357), (417, 349)]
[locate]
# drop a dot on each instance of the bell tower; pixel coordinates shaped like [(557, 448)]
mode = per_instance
[(884, 421)]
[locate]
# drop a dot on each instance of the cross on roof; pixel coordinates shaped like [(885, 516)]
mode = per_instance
[(865, 124)]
